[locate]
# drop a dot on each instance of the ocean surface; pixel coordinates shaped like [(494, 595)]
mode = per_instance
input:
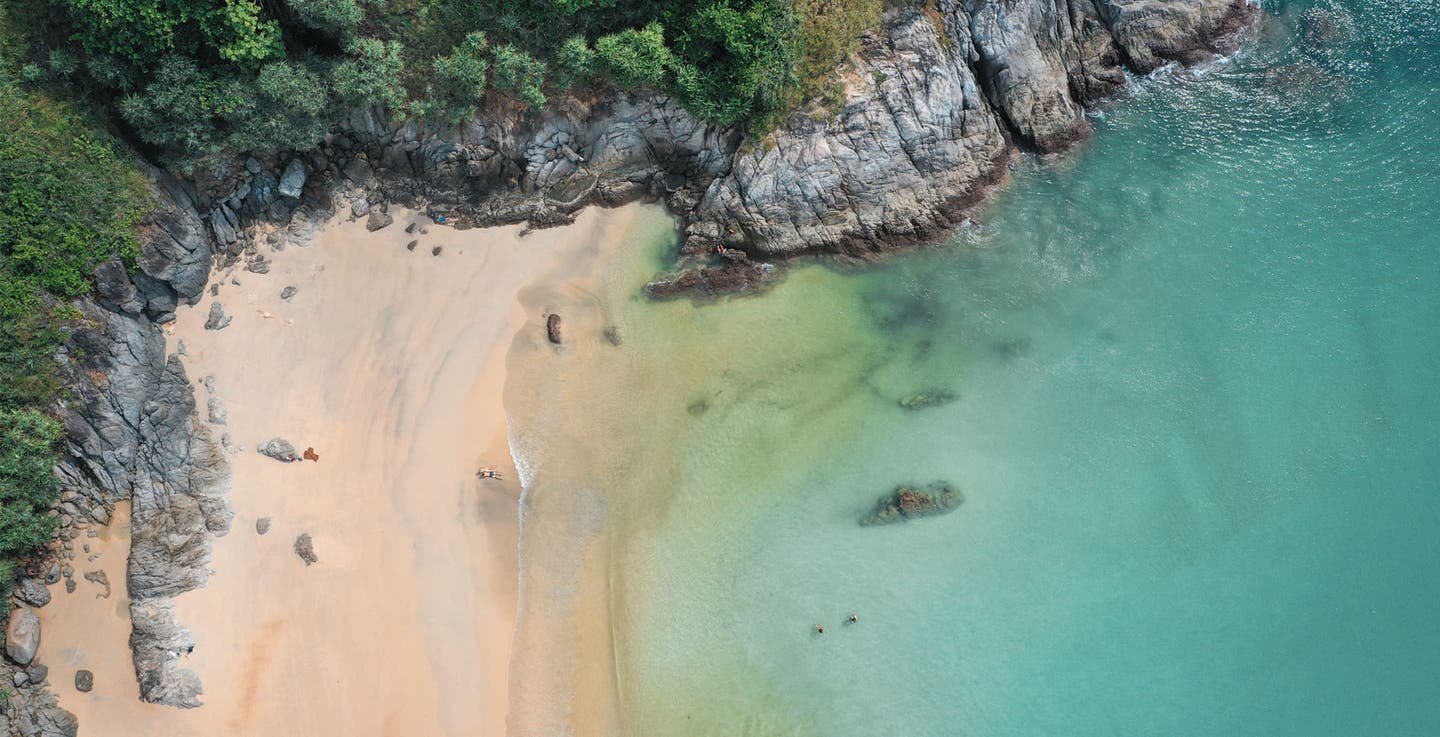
[(1197, 431)]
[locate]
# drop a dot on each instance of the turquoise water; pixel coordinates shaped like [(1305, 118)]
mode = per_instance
[(1198, 434)]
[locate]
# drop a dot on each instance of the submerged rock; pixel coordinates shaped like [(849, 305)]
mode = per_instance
[(84, 680), (908, 502), (280, 449), (305, 548), (288, 292), (926, 400)]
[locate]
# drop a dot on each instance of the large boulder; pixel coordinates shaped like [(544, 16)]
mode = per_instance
[(292, 182), (280, 449), (22, 635), (33, 591)]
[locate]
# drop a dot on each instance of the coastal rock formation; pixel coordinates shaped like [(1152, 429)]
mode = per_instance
[(908, 502), (933, 106)]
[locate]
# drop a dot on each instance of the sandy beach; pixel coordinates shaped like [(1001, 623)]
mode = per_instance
[(391, 364)]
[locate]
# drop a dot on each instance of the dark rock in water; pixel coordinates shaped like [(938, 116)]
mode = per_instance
[(411, 245), (731, 278), (69, 585), (411, 228), (262, 525), (378, 219), (908, 502), (287, 293), (280, 449), (435, 251), (1010, 350), (217, 320), (32, 591), (552, 328), (84, 680), (305, 548), (613, 336), (100, 579), (926, 400)]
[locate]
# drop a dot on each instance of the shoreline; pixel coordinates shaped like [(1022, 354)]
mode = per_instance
[(394, 369)]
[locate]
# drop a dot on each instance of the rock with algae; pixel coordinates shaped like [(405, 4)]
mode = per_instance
[(910, 502), (926, 400)]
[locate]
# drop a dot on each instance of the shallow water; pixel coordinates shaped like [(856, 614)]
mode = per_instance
[(1196, 432)]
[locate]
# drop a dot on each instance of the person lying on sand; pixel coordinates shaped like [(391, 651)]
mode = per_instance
[(488, 473)]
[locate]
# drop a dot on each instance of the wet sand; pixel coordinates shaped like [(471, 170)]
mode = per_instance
[(391, 364)]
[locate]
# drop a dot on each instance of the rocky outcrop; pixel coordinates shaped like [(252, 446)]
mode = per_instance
[(133, 432), (910, 502)]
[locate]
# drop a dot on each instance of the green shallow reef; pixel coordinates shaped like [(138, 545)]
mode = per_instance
[(1190, 380)]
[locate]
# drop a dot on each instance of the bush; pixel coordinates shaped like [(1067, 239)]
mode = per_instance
[(339, 17), (461, 75), (181, 110), (368, 74), (520, 73), (574, 62), (635, 57), (68, 201), (28, 487), (285, 111)]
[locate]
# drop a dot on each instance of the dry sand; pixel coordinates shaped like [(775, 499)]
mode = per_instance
[(391, 364)]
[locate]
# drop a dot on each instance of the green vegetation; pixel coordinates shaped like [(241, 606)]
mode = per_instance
[(69, 200), (194, 78)]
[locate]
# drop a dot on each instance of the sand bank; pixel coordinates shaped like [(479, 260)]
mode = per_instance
[(390, 363)]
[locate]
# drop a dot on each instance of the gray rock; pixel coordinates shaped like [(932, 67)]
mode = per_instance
[(69, 585), (359, 207), (99, 579), (287, 293), (411, 245), (378, 219), (215, 411), (84, 681), (280, 449), (32, 591), (22, 635), (217, 319), (358, 171), (20, 678), (38, 673), (156, 644), (52, 574), (114, 290), (292, 182), (262, 525), (305, 548)]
